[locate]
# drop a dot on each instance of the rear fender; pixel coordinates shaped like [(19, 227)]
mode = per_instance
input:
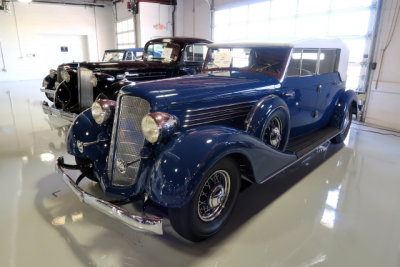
[(347, 101), (180, 167)]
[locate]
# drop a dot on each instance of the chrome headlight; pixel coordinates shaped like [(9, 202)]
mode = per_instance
[(150, 129), (101, 110), (52, 73), (93, 80), (158, 125), (65, 76)]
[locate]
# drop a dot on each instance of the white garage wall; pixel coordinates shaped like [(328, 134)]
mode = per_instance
[(150, 16), (37, 20), (383, 108), (197, 19)]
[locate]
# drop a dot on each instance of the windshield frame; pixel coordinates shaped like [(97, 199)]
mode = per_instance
[(160, 59), (279, 75)]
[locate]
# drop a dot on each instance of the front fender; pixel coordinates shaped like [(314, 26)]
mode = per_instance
[(180, 167), (347, 101), (95, 138)]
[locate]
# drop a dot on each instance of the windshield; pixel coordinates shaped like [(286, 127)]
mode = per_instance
[(113, 56), (270, 60), (162, 51)]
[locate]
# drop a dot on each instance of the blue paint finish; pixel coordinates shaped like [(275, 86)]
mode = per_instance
[(345, 102), (212, 109), (260, 113), (177, 171)]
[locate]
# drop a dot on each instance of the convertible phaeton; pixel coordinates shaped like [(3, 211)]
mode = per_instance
[(73, 87), (187, 143)]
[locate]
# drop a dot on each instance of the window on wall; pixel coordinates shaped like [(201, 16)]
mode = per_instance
[(126, 34), (288, 20)]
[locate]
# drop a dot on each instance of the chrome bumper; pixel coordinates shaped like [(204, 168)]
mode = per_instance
[(136, 222), (60, 113), (48, 91)]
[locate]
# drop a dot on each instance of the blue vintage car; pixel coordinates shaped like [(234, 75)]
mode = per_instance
[(187, 143)]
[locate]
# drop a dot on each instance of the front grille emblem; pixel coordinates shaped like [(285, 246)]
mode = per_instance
[(121, 166)]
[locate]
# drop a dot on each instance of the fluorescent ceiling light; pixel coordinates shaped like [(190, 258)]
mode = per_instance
[(25, 1)]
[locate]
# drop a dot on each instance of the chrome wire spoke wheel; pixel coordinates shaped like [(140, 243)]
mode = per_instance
[(213, 195), (273, 133)]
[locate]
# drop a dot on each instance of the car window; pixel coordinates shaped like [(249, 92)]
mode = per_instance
[(129, 56), (162, 51), (295, 63), (261, 59), (303, 62), (195, 52), (329, 60), (309, 61), (113, 56)]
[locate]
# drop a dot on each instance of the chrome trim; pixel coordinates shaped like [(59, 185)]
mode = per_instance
[(220, 106), (85, 144), (219, 111), (127, 128), (57, 112), (207, 122), (136, 222), (85, 88), (48, 91), (243, 112)]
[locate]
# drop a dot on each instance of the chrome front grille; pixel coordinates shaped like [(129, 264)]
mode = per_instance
[(127, 139), (85, 88)]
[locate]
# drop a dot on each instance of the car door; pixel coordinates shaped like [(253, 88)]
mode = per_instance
[(300, 91), (330, 83)]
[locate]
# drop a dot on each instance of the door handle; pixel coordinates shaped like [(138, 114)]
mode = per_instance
[(290, 93), (319, 88)]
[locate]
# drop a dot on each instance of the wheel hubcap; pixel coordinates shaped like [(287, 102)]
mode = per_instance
[(213, 196), (273, 133)]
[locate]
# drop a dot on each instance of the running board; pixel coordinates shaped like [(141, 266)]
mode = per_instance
[(305, 144)]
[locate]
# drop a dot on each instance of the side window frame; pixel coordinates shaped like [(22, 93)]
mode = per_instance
[(318, 63), (184, 57)]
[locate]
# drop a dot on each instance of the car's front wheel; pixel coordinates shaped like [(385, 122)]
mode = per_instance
[(211, 205), (346, 127)]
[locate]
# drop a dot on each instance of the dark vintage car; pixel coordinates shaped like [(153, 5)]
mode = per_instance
[(188, 143), (122, 54), (73, 87)]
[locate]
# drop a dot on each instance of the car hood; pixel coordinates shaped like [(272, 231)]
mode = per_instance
[(131, 65), (202, 87)]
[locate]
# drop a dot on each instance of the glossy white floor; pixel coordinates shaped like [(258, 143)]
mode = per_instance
[(339, 207)]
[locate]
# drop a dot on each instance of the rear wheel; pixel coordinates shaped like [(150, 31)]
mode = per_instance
[(343, 134), (208, 210)]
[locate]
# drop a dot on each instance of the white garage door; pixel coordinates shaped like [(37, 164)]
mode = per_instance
[(286, 20)]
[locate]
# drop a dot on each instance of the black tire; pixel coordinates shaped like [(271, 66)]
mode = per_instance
[(342, 135), (190, 220), (275, 129), (85, 165)]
